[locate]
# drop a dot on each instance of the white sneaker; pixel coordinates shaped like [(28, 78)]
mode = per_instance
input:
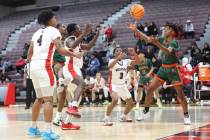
[(107, 122), (187, 120), (124, 118), (143, 116), (57, 121)]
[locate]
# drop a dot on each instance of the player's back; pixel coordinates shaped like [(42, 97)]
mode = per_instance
[(43, 46)]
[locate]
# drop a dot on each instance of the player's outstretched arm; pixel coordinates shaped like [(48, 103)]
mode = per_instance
[(138, 33), (87, 30), (91, 43), (61, 50), (157, 43)]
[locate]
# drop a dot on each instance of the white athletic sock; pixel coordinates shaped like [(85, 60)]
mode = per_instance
[(48, 127), (86, 98), (137, 104), (33, 124), (68, 119), (69, 103), (107, 117), (74, 103), (58, 115)]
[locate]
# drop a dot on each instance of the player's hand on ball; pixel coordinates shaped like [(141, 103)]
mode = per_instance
[(132, 27), (88, 28)]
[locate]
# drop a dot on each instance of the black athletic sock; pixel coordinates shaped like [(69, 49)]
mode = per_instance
[(146, 109), (186, 114)]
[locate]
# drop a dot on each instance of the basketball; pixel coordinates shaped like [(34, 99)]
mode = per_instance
[(137, 11)]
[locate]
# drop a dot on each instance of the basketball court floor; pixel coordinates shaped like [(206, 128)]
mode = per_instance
[(163, 124)]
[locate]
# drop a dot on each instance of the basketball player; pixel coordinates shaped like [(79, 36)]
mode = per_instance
[(168, 71), (43, 44), (117, 86), (72, 72)]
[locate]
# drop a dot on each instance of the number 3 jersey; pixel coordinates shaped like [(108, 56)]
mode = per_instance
[(43, 47), (118, 73)]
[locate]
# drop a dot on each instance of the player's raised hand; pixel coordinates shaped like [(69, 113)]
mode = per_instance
[(88, 28), (97, 32)]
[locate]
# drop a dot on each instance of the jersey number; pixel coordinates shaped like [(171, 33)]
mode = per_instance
[(40, 40), (121, 75)]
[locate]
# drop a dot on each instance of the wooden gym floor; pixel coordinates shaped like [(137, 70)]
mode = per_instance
[(163, 124)]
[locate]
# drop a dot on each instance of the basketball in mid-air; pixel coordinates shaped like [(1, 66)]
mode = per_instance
[(137, 11)]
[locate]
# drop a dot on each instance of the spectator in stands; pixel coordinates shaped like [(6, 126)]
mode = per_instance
[(140, 27), (146, 31), (93, 65), (1, 64), (89, 85), (25, 50), (189, 29), (4, 77), (192, 49), (206, 53), (109, 33), (90, 36), (186, 74), (98, 89), (20, 64), (7, 65), (197, 57), (152, 29)]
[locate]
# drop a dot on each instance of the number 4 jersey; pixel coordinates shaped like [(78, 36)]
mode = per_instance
[(118, 73), (43, 47)]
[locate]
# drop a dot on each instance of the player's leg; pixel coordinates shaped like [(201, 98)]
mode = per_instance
[(124, 93), (139, 96), (110, 107), (157, 97), (73, 109), (61, 101), (181, 96), (155, 83)]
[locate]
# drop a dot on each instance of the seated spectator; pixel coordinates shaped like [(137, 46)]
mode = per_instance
[(89, 84), (20, 64), (109, 33), (189, 29), (140, 27), (206, 53), (197, 57), (7, 65), (146, 30), (186, 73), (152, 29), (93, 65), (98, 89), (25, 50), (89, 37), (4, 77), (192, 49), (1, 64)]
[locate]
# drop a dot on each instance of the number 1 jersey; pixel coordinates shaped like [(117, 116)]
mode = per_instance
[(118, 73)]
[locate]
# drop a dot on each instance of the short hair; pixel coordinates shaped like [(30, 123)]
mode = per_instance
[(173, 27), (71, 28), (44, 17), (115, 49)]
